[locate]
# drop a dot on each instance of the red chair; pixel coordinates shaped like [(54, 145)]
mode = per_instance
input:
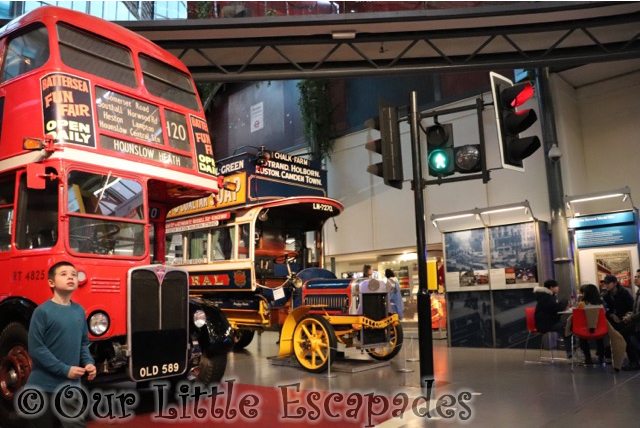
[(531, 328), (581, 328)]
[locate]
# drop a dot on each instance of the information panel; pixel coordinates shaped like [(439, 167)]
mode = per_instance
[(145, 152), (176, 125), (606, 236), (204, 149), (67, 109), (128, 116)]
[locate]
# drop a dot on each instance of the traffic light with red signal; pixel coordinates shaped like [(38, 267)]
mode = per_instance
[(511, 121)]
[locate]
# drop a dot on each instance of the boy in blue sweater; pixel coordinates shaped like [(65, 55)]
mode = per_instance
[(58, 339)]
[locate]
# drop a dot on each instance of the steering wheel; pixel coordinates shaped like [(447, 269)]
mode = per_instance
[(111, 230), (286, 257)]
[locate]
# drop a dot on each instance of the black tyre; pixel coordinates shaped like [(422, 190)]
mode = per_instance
[(314, 343), (211, 368), (242, 338), (15, 368), (393, 347)]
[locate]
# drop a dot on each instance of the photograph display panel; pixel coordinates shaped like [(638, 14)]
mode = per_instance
[(470, 319), (616, 263), (514, 259), (466, 260), (510, 319)]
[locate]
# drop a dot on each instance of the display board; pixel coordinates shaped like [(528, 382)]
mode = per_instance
[(469, 317), (606, 244), (489, 276), (494, 258), (466, 261), (514, 258)]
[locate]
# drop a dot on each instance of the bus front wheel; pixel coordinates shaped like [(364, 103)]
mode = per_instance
[(15, 368)]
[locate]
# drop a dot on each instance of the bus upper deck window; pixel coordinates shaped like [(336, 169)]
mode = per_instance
[(26, 52), (168, 83), (94, 55)]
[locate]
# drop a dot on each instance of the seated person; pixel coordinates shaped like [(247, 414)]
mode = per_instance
[(547, 308), (590, 295)]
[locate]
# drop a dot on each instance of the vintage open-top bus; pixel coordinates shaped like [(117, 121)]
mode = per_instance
[(102, 133), (256, 250)]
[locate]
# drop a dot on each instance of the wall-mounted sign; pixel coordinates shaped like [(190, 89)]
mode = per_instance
[(145, 152), (257, 117), (605, 236), (601, 220), (67, 109), (128, 116)]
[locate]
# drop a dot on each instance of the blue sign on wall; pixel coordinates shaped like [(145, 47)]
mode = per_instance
[(605, 236), (601, 220)]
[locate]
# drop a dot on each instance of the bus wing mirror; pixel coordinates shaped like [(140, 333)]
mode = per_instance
[(36, 177)]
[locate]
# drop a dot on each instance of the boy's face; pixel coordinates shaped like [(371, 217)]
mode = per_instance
[(66, 279)]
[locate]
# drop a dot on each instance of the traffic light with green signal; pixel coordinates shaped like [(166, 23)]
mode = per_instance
[(510, 122), (388, 145)]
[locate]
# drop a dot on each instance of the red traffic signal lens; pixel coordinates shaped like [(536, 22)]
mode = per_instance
[(517, 95), (437, 135)]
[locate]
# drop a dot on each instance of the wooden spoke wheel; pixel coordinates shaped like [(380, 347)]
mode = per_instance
[(391, 349), (314, 343)]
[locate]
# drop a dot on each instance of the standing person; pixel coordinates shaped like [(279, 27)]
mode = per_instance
[(619, 303), (367, 271), (397, 306), (59, 342), (547, 308), (632, 319)]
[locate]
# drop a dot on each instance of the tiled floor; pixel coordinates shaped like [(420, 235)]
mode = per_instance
[(506, 392)]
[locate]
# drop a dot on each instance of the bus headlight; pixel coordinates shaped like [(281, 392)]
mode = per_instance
[(199, 318), (297, 282), (82, 278), (99, 323)]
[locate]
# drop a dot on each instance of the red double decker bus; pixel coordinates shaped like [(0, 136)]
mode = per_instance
[(101, 133)]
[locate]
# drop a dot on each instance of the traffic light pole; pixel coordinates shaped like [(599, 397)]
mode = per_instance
[(425, 335)]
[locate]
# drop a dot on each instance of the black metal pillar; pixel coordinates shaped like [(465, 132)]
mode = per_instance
[(425, 335), (562, 252)]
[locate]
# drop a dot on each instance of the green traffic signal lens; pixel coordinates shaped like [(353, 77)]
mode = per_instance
[(439, 161)]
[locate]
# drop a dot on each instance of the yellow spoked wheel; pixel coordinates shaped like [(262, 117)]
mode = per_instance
[(391, 349), (314, 343)]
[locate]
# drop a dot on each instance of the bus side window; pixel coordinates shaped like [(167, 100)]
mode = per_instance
[(174, 248), (37, 219), (198, 244), (7, 190), (26, 52), (243, 242), (92, 54), (222, 243)]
